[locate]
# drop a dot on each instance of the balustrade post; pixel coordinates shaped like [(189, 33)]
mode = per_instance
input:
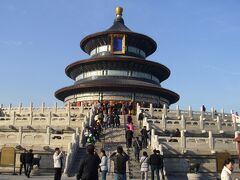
[(48, 136), (68, 160), (213, 113), (211, 141), (183, 141), (49, 119), (20, 108), (43, 107), (14, 118), (160, 147), (202, 112), (68, 107), (55, 107), (178, 113), (138, 110), (69, 118), (20, 135), (74, 139), (147, 126), (222, 111), (235, 127), (152, 137), (91, 117), (151, 110), (88, 113), (81, 135), (31, 107), (201, 124), (156, 143), (77, 129), (85, 120), (236, 134), (31, 114), (190, 113), (163, 122), (9, 108), (144, 121), (81, 108), (165, 110), (183, 123), (219, 125)]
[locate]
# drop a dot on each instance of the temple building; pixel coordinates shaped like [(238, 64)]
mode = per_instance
[(194, 144), (117, 70)]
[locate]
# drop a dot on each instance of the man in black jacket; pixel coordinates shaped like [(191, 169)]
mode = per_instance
[(144, 134), (88, 169), (29, 162), (129, 136), (161, 164), (22, 162), (120, 159), (140, 118), (156, 163), (137, 147)]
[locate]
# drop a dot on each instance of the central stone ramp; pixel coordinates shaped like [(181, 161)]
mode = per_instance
[(134, 166), (110, 139)]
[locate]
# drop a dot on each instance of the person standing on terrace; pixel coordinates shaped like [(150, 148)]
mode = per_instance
[(203, 108)]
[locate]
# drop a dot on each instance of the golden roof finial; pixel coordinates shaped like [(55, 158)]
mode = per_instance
[(118, 11)]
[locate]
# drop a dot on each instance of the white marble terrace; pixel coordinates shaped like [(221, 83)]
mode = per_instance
[(41, 128), (201, 132)]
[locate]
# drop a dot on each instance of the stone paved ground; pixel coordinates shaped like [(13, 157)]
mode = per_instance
[(22, 177), (50, 177), (43, 177)]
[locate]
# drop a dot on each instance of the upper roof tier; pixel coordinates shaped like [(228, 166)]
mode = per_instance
[(133, 42)]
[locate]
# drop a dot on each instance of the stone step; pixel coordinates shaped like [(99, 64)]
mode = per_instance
[(109, 140)]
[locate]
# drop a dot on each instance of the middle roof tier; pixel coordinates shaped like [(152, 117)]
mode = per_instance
[(125, 63)]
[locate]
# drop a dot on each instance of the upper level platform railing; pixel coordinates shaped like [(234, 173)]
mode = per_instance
[(189, 113), (42, 116)]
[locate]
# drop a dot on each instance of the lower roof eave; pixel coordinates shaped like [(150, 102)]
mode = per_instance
[(171, 96)]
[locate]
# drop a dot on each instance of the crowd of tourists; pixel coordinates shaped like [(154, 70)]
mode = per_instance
[(92, 163), (105, 116)]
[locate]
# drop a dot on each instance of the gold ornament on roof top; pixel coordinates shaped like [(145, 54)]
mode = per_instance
[(119, 11)]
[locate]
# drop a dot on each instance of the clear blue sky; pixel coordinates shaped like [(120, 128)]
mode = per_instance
[(198, 40)]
